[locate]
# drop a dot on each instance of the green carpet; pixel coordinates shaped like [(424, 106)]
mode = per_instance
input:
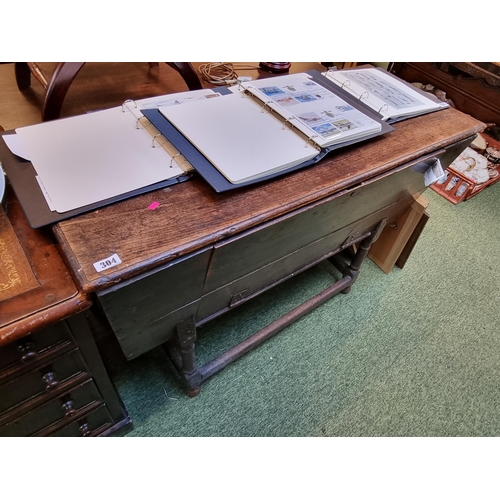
[(412, 353)]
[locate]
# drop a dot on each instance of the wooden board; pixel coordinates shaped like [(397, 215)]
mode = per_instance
[(395, 236), (191, 215)]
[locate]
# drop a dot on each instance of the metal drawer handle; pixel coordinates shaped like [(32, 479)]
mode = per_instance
[(50, 381), (29, 352), (85, 429), (69, 408)]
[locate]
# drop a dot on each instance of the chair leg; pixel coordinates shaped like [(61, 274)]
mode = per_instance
[(65, 73), (62, 78), (188, 74), (23, 75)]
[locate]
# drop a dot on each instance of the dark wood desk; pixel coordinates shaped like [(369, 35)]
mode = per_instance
[(201, 254), (52, 379)]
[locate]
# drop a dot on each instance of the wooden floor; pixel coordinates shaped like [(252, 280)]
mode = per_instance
[(97, 86)]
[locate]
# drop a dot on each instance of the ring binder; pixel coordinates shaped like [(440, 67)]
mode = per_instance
[(393, 98), (290, 122), (267, 104), (84, 162), (305, 98)]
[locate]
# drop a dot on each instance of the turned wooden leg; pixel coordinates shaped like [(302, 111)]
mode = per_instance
[(55, 89), (188, 74), (58, 86), (23, 75), (186, 338), (362, 252), (352, 269)]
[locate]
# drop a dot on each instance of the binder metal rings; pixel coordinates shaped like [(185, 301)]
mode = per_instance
[(266, 105), (154, 139), (346, 83), (287, 121), (174, 159), (311, 141), (126, 103)]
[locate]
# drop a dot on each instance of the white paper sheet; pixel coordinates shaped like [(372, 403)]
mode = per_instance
[(316, 111), (384, 93), (89, 158), (241, 139)]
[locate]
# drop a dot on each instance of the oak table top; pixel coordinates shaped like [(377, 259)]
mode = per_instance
[(192, 215)]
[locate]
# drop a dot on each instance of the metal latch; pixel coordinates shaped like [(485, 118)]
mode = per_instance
[(237, 298), (349, 240)]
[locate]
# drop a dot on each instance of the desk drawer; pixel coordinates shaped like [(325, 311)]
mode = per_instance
[(49, 378), (143, 311), (136, 337), (244, 253), (66, 406), (236, 257), (245, 288), (34, 348), (135, 307), (93, 424)]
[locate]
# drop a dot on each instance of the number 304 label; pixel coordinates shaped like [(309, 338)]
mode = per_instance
[(111, 261)]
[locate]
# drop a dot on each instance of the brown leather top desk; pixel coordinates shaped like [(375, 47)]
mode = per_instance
[(200, 254), (52, 379)]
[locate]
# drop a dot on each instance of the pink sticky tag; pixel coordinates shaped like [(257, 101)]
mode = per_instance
[(154, 205)]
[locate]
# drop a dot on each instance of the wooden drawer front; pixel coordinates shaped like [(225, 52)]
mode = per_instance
[(92, 424), (136, 303), (260, 280), (453, 151), (238, 256), (34, 348), (66, 406), (48, 378), (139, 337)]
